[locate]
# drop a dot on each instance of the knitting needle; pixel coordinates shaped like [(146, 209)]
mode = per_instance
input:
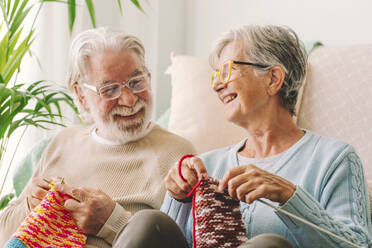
[(48, 182), (62, 180), (310, 224)]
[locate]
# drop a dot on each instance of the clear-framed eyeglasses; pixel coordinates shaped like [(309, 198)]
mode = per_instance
[(223, 74), (112, 90)]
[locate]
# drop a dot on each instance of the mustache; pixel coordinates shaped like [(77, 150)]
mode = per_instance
[(127, 111)]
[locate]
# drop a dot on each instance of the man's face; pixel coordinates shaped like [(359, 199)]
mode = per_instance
[(126, 117)]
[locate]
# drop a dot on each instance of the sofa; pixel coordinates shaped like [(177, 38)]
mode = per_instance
[(335, 101)]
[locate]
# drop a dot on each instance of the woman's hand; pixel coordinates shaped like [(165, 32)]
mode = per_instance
[(193, 170), (248, 183)]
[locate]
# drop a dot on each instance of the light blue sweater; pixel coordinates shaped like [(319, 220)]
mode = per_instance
[(331, 192)]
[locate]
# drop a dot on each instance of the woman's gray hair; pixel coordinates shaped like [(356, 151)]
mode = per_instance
[(270, 46), (93, 41)]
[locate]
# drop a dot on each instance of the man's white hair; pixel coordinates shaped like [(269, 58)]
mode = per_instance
[(93, 41)]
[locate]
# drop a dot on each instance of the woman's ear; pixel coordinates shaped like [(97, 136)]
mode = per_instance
[(277, 75), (80, 95)]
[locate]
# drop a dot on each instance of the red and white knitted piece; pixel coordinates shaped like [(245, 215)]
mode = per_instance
[(217, 217)]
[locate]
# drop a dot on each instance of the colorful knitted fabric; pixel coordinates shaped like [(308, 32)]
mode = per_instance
[(48, 225), (217, 217)]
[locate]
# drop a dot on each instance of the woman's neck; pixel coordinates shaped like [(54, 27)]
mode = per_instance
[(271, 136)]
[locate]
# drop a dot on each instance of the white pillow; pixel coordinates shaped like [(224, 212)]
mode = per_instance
[(337, 97), (196, 113)]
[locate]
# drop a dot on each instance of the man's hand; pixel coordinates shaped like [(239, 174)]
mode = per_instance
[(193, 170), (248, 183), (90, 208), (36, 191)]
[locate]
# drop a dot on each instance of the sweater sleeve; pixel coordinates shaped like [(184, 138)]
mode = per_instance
[(11, 218), (117, 220), (177, 210), (17, 210), (343, 208)]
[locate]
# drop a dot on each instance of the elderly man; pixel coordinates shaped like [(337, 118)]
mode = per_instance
[(116, 166)]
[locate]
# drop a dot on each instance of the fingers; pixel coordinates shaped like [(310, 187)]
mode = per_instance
[(262, 191), (229, 175), (33, 202), (176, 186), (190, 176), (78, 194), (249, 183), (41, 183), (93, 210), (196, 164), (36, 191), (192, 170), (72, 204), (241, 185), (175, 190)]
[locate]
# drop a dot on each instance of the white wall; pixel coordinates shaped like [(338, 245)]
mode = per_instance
[(191, 26), (334, 22)]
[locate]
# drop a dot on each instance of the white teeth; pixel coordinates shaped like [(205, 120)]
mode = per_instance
[(228, 98), (128, 111)]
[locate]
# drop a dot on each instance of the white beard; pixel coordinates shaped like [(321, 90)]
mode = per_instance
[(128, 130)]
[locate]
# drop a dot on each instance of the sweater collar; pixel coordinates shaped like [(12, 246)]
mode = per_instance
[(308, 135), (103, 141)]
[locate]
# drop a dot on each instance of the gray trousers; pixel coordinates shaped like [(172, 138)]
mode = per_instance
[(154, 229)]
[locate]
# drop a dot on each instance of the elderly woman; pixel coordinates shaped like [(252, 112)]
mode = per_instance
[(259, 71)]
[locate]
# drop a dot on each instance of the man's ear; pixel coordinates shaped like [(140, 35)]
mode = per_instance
[(277, 75), (80, 95)]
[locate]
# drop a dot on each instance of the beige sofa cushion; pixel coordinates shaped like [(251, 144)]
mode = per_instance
[(337, 99)]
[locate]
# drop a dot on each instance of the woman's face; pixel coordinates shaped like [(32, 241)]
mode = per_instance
[(245, 96)]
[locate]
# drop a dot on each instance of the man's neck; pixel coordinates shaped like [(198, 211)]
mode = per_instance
[(103, 140)]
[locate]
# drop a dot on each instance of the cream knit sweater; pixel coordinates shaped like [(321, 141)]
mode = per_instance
[(131, 174)]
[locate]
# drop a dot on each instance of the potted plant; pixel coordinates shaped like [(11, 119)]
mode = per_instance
[(24, 104)]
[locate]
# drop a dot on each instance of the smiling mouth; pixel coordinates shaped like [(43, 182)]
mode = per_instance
[(129, 117), (229, 98)]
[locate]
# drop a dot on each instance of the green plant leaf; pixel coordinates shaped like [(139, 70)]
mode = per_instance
[(33, 85), (7, 7), (5, 200), (138, 5), (3, 50), (15, 60), (13, 126), (6, 119), (19, 17), (13, 41), (39, 90), (71, 14), (2, 79), (42, 104), (58, 1), (14, 8), (120, 7), (92, 14)]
